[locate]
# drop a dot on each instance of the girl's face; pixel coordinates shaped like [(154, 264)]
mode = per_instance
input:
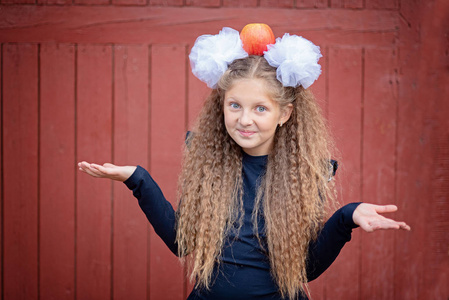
[(251, 116)]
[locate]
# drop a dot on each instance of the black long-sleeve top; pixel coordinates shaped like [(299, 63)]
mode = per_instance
[(244, 269)]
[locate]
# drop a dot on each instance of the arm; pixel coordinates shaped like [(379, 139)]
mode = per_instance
[(157, 209), (331, 239), (337, 232)]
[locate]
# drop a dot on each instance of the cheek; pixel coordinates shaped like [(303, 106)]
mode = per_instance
[(227, 121), (269, 124)]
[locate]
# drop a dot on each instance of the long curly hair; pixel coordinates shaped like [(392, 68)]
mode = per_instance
[(292, 197)]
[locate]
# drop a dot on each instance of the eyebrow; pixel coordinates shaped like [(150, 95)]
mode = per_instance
[(258, 102)]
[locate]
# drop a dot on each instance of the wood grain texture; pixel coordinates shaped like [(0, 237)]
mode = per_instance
[(54, 2), (168, 127), (435, 27), (91, 2), (17, 1), (379, 162), (104, 238), (203, 3), (130, 2), (382, 4), (237, 3), (346, 3), (94, 144), (1, 172), (166, 2), (135, 25), (421, 126), (277, 3), (57, 172), (20, 166), (312, 3), (345, 116), (131, 133)]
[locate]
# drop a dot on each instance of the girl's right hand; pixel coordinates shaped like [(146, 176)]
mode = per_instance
[(119, 173)]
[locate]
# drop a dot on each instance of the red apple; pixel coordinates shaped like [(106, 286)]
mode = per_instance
[(256, 37)]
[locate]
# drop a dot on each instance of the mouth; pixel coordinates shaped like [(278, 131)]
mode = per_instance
[(246, 133)]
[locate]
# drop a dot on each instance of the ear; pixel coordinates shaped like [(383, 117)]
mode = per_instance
[(286, 113)]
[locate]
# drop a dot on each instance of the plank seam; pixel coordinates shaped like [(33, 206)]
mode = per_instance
[(362, 126), (396, 161), (75, 177), (149, 167), (38, 170), (113, 159), (1, 175)]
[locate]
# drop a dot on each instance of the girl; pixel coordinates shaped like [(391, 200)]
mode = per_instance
[(255, 178)]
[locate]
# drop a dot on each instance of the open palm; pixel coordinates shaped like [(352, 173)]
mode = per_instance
[(368, 217), (107, 170)]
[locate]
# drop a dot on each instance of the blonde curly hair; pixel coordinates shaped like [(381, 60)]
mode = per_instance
[(295, 187)]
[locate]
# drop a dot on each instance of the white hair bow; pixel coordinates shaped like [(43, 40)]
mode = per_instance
[(295, 58)]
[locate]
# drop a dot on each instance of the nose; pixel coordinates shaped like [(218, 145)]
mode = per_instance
[(246, 119)]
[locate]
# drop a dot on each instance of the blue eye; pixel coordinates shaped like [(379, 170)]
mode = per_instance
[(261, 109), (235, 105)]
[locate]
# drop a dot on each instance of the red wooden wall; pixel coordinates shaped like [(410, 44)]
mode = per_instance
[(107, 81)]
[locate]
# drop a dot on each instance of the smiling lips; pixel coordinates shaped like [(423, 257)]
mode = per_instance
[(246, 133)]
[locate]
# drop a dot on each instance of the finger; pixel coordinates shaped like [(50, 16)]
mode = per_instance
[(88, 168), (95, 170), (374, 227), (102, 170), (388, 224), (381, 209), (89, 171), (108, 165), (404, 226), (83, 164)]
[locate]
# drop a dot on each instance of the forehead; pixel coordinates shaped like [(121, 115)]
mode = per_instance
[(248, 89)]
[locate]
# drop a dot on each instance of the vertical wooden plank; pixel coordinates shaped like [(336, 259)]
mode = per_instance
[(93, 201), (379, 139), (20, 158), (1, 172), (421, 256), (57, 172), (277, 3), (434, 26), (168, 115), (131, 119), (412, 154), (345, 113)]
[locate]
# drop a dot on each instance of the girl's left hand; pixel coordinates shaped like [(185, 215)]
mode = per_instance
[(368, 217)]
